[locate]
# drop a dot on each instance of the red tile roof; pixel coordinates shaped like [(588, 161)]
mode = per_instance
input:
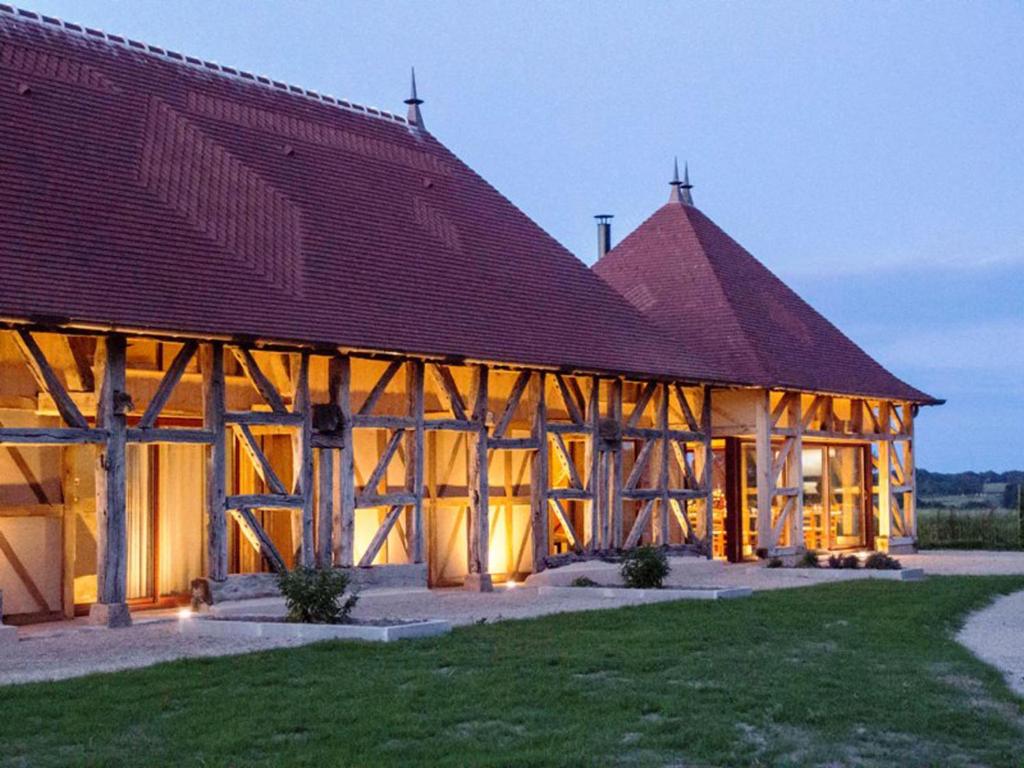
[(698, 283), (143, 189)]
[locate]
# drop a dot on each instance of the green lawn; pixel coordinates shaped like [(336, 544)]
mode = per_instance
[(848, 674)]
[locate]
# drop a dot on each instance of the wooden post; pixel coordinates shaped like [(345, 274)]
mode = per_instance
[(763, 448), (325, 511), (884, 533), (539, 472), (733, 500), (302, 460), (340, 387), (111, 608), (592, 462), (707, 478), (615, 491), (661, 529), (795, 476), (478, 578), (910, 474), (414, 457), (212, 365)]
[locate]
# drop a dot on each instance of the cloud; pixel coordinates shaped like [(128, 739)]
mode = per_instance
[(994, 347), (942, 259)]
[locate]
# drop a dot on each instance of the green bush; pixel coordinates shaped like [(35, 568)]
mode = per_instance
[(809, 560), (843, 561), (316, 595), (644, 568), (583, 581), (775, 562), (879, 561)]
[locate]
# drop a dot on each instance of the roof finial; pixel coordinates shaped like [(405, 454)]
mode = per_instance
[(413, 115), (681, 189)]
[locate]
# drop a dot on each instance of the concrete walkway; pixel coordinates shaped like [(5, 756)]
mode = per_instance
[(68, 649)]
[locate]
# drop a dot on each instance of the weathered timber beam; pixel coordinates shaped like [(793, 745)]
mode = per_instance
[(639, 465), (51, 436), (47, 379), (569, 494), (264, 418), (111, 504), (170, 435), (573, 408), (566, 522), (384, 462), (302, 459), (503, 422), (399, 498), (339, 390), (454, 425), (168, 383), (259, 380), (259, 459), (380, 536), (379, 388), (514, 444), (264, 501), (211, 363), (448, 391), (478, 556), (414, 457), (258, 537), (539, 472), (565, 458), (641, 404), (383, 422), (684, 406), (639, 525)]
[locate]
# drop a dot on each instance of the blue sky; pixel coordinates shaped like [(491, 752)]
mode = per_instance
[(869, 153)]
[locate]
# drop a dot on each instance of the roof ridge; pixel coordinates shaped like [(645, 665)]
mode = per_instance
[(203, 65)]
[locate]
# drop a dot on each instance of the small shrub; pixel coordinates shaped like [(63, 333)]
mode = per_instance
[(315, 595), (583, 581), (809, 560), (775, 562), (843, 561), (644, 568), (761, 553), (880, 561)]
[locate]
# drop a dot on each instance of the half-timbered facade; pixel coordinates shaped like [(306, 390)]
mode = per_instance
[(818, 453), (245, 326)]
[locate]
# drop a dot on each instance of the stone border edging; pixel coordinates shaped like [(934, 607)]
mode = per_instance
[(196, 625), (648, 595)]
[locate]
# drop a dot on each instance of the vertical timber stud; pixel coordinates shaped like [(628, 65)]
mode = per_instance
[(414, 456), (707, 478), (539, 472), (763, 449), (212, 365), (593, 464), (795, 477), (884, 532), (303, 459), (340, 388), (112, 408), (325, 511), (662, 529), (615, 492), (478, 579)]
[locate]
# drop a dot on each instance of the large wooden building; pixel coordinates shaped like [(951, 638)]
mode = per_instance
[(245, 326)]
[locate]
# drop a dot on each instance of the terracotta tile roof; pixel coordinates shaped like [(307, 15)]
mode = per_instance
[(141, 188), (698, 283)]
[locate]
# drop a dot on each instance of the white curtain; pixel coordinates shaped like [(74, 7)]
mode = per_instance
[(182, 521), (139, 522)]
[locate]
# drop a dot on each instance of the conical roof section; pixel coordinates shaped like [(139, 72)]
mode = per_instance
[(722, 304)]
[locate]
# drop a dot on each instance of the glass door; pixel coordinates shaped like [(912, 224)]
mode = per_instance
[(846, 496)]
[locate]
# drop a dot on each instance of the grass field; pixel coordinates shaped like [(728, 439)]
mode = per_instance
[(862, 673), (952, 527)]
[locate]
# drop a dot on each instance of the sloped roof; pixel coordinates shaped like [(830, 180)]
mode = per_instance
[(143, 189), (699, 284)]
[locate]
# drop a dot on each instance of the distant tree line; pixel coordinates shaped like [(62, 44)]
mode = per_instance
[(969, 484)]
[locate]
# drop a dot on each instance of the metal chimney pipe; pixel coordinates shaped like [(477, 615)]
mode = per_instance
[(604, 233)]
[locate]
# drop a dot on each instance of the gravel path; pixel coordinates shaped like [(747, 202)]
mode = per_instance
[(996, 636), (69, 649)]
